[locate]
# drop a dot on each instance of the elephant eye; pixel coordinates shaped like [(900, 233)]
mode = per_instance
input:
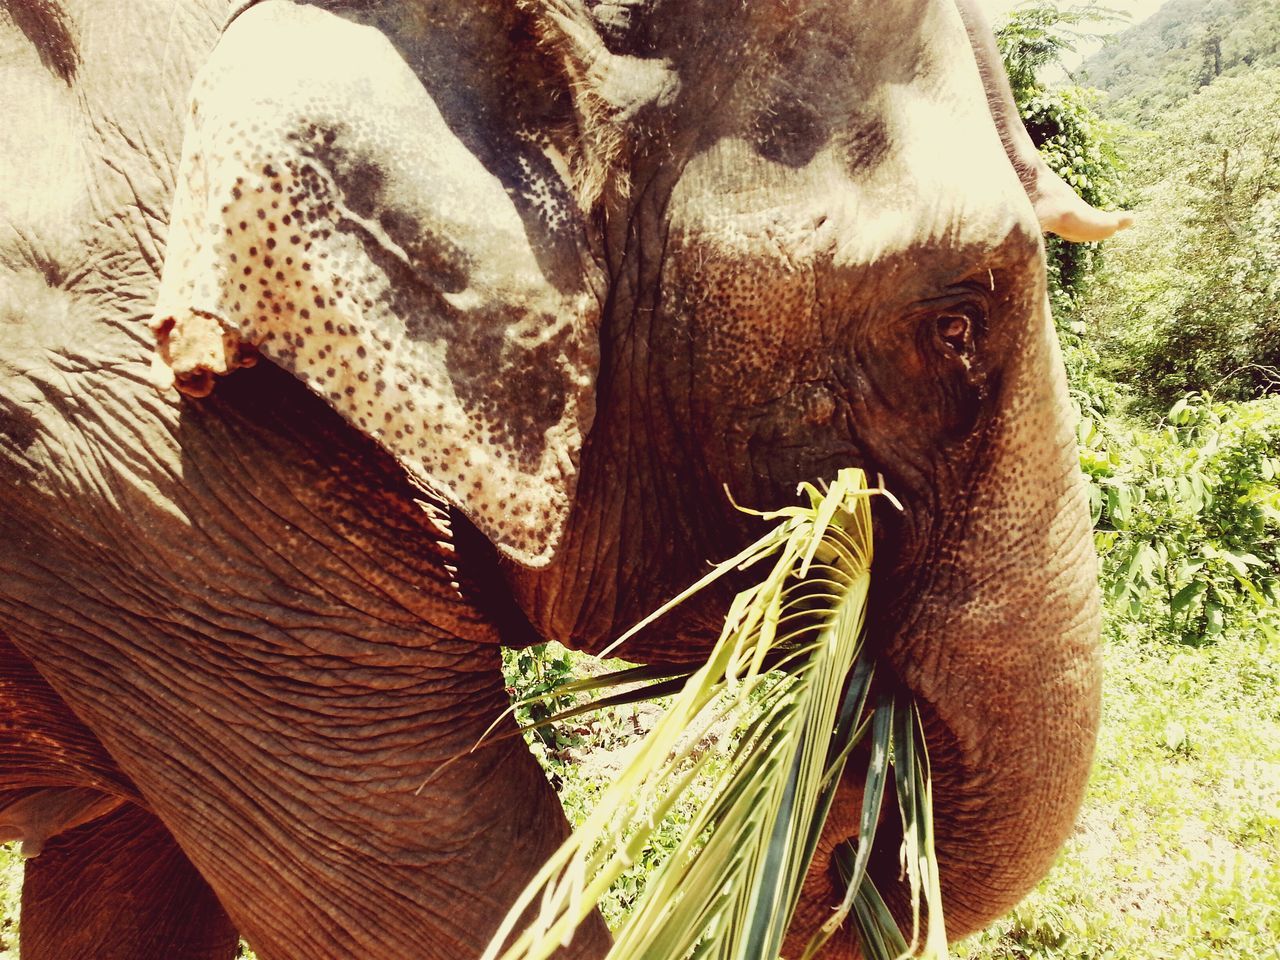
[(950, 331), (956, 331)]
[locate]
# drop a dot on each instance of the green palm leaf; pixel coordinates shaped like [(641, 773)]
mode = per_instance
[(789, 671)]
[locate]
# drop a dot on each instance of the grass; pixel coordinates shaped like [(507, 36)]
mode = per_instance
[(1177, 853)]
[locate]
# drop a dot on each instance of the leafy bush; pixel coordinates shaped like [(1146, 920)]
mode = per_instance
[(1188, 514), (538, 672)]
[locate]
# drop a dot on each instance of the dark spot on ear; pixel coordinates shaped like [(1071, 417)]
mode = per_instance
[(48, 28), (359, 183), (863, 144), (789, 131)]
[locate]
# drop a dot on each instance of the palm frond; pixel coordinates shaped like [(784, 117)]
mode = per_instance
[(788, 671)]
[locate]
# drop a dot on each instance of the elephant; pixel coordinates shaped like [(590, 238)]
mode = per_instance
[(344, 341)]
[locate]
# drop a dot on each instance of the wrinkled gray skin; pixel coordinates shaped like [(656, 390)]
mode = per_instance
[(585, 270)]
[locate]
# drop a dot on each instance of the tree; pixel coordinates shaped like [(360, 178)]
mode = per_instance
[(1191, 296), (1211, 54), (1065, 125)]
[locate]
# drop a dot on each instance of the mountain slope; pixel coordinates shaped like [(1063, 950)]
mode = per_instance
[(1182, 47)]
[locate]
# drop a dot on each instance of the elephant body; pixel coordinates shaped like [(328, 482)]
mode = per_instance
[(554, 276)]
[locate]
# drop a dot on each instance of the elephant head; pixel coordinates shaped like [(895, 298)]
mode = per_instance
[(583, 271)]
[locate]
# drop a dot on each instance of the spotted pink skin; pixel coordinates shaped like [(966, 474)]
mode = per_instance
[(536, 285), (404, 293)]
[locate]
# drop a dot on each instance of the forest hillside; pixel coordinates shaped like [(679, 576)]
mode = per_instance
[(1184, 46)]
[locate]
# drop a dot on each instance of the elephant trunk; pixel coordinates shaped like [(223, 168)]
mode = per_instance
[(997, 643), (999, 649)]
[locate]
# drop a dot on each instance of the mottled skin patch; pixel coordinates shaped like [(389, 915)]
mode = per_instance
[(370, 253)]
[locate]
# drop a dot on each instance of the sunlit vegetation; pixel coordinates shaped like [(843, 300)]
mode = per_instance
[(10, 894), (1185, 46), (1189, 299)]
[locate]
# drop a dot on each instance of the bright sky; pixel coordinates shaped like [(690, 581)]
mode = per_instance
[(1138, 10)]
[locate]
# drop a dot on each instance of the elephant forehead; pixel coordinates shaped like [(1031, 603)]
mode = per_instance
[(946, 211), (858, 151)]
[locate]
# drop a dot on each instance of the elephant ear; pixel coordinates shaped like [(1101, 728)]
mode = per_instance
[(330, 218)]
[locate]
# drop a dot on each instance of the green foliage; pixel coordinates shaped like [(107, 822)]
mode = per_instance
[(1188, 515), (10, 895), (581, 757), (1065, 124), (540, 671), (1175, 855), (1035, 36), (1187, 44), (1190, 298)]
